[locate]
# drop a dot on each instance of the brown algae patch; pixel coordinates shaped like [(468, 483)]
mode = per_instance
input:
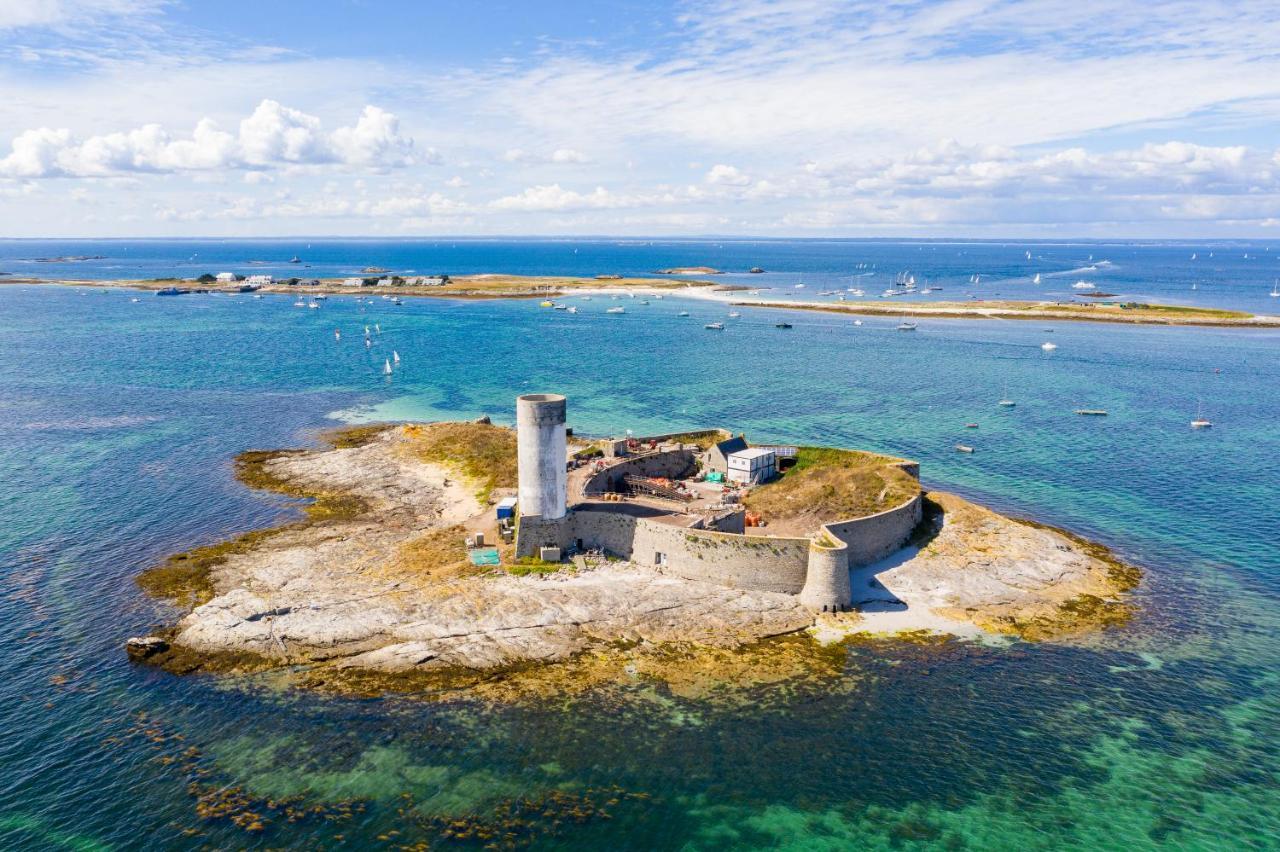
[(185, 579)]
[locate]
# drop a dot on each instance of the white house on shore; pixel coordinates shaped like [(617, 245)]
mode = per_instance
[(353, 282), (225, 277), (258, 280)]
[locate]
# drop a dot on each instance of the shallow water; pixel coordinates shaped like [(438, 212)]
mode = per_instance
[(120, 420)]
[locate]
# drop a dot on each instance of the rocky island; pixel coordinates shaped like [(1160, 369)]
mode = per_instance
[(411, 570)]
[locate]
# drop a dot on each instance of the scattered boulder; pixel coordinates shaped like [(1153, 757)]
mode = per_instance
[(145, 647), (483, 421)]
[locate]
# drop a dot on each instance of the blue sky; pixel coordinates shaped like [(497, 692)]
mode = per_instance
[(757, 117)]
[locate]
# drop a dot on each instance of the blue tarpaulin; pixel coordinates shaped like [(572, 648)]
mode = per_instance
[(483, 556)]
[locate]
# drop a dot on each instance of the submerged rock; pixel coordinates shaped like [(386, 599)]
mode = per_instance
[(144, 647)]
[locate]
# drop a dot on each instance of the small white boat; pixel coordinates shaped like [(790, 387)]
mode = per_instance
[(560, 307), (1048, 347), (1200, 422), (962, 448), (299, 304), (1036, 280), (573, 310), (1028, 255), (396, 300), (714, 326), (377, 328), (368, 344), (337, 335), (586, 298), (799, 286), (857, 322), (135, 299), (1083, 285), (1005, 401), (683, 314), (618, 310), (906, 326), (386, 368), (644, 301), (1275, 290), (734, 314), (395, 356), (313, 305), (854, 291), (255, 295), (319, 297)]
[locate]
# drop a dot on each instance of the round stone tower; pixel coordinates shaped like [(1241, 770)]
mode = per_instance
[(826, 582), (540, 436)]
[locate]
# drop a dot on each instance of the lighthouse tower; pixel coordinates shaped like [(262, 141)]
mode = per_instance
[(540, 436)]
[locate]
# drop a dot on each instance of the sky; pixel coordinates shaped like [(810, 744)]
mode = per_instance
[(770, 118)]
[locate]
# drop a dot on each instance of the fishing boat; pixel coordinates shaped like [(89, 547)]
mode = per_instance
[(782, 325), (1200, 422), (1091, 412), (714, 326), (962, 448), (1048, 347), (386, 368), (617, 310)]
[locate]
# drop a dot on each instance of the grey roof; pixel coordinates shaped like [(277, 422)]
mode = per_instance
[(732, 445)]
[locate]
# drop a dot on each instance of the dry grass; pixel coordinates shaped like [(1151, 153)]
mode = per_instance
[(440, 554), (479, 452), (831, 485)]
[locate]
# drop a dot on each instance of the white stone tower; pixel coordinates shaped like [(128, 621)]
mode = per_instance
[(540, 437)]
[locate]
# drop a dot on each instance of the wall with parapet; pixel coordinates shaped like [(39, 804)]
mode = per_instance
[(668, 464), (874, 537)]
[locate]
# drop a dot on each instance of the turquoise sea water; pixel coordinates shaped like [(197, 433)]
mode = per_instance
[(120, 419)]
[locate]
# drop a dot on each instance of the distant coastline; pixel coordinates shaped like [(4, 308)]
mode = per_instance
[(504, 286)]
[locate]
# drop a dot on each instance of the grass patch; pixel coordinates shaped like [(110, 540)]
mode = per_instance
[(829, 485), (482, 453), (703, 440), (438, 555), (533, 565), (347, 437)]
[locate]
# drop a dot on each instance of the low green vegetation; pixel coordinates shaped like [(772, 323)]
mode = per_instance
[(830, 485), (483, 453), (526, 565)]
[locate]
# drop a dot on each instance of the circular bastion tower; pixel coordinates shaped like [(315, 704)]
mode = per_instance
[(541, 455)]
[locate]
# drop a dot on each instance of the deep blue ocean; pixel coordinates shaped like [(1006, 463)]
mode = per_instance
[(122, 412)]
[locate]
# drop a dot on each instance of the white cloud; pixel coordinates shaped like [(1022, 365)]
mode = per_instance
[(559, 155), (15, 14), (724, 175), (555, 197), (273, 136)]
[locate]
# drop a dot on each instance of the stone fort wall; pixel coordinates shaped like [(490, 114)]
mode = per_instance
[(816, 569)]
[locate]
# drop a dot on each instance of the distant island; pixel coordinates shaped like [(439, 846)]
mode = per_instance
[(503, 286), (469, 556)]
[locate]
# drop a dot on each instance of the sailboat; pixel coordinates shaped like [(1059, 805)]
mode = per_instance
[(395, 356), (1004, 400), (1036, 280), (1048, 347), (1200, 422), (386, 368), (337, 335), (906, 326), (1275, 290)]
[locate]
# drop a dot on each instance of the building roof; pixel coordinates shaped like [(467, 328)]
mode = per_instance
[(754, 453), (732, 445)]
